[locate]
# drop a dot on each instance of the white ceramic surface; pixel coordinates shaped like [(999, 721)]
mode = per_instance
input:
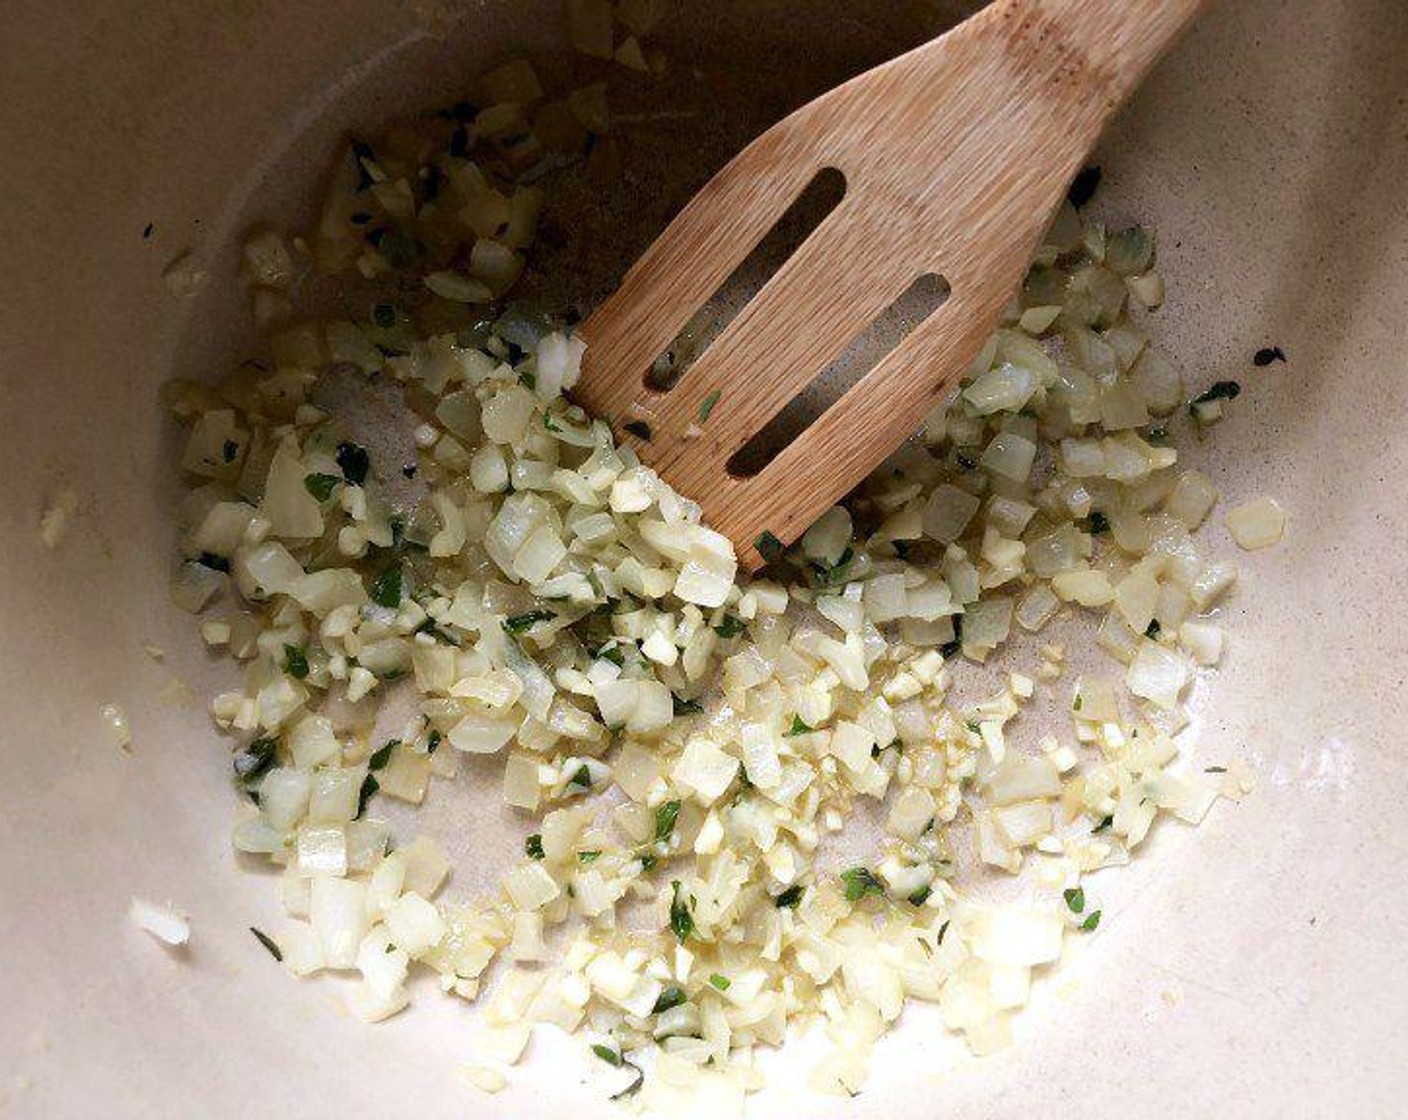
[(1249, 968)]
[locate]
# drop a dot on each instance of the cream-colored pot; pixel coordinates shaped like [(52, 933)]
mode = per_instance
[(1249, 968)]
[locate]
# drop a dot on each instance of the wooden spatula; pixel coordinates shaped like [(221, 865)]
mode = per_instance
[(956, 156)]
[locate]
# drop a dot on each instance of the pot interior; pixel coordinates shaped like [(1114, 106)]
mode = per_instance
[(1269, 152)]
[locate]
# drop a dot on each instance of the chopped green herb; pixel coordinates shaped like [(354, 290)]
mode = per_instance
[(1084, 185), (672, 996), (719, 982), (943, 929), (387, 589), (615, 655), (521, 623), (1157, 435), (706, 406), (859, 882), (1091, 921), (583, 777), (1097, 523), (429, 627), (382, 755), (1078, 703), (550, 424), (1214, 770), (1220, 391), (638, 428), (353, 461), (589, 857), (528, 381), (255, 761), (533, 846), (665, 817), (369, 787), (295, 662), (607, 1055), (608, 608), (681, 920), (268, 943), (798, 728), (1103, 825), (433, 741), (684, 707), (1075, 898), (1153, 629), (835, 573), (921, 896), (768, 546), (974, 726), (730, 627), (320, 485), (634, 1086), (648, 861), (789, 898), (1268, 354)]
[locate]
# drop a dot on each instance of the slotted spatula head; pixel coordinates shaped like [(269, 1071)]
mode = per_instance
[(955, 157)]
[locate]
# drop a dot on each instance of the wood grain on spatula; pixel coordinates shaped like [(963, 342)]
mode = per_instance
[(956, 156)]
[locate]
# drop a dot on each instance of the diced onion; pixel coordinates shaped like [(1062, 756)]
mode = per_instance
[(1157, 674), (1009, 455), (948, 512), (480, 734), (689, 747), (162, 922), (1259, 523), (1013, 936)]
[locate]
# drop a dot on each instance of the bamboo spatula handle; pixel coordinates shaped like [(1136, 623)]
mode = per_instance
[(956, 156)]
